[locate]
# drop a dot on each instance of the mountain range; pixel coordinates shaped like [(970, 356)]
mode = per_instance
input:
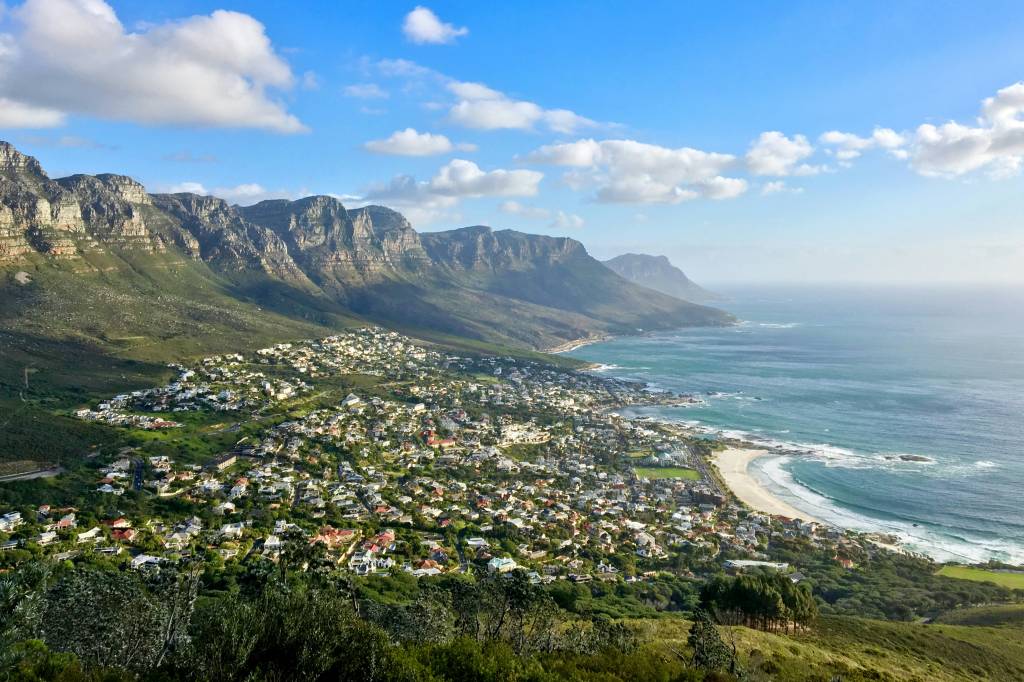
[(98, 259), (658, 273)]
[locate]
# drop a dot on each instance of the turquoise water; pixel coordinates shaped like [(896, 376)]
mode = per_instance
[(847, 380)]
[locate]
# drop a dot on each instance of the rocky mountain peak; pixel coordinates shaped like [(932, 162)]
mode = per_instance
[(17, 166)]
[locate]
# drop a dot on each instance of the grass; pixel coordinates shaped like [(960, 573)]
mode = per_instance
[(667, 472), (1014, 581), (992, 616), (854, 649)]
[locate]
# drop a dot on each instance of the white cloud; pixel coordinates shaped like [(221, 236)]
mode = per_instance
[(409, 142), (561, 219), (779, 187), (477, 105), (522, 210), (996, 144), (423, 27), (848, 146), (626, 171), (15, 114), (366, 91), (567, 221), (428, 201), (465, 179), (775, 154), (245, 194), (75, 57), (484, 108)]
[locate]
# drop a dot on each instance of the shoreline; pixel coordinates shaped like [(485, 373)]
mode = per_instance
[(569, 346), (733, 466)]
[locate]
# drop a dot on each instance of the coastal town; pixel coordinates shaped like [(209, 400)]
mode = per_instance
[(388, 455)]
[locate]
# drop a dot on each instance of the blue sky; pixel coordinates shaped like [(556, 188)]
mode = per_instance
[(748, 142)]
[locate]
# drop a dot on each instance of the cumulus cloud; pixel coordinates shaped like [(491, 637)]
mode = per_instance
[(775, 154), (484, 108), (75, 57), (463, 178), (423, 27), (848, 146), (14, 114), (409, 142), (428, 200), (627, 171), (366, 91), (996, 144), (244, 194)]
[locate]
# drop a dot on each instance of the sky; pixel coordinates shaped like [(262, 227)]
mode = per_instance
[(749, 142)]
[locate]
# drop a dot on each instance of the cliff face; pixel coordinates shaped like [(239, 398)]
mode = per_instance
[(62, 218), (368, 260), (480, 248), (341, 249)]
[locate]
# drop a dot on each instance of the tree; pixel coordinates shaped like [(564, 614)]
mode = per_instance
[(105, 618), (710, 653)]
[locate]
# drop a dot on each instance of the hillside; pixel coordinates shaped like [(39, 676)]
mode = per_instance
[(850, 649), (658, 273), (102, 244)]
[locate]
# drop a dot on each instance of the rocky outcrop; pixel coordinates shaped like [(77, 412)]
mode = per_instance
[(212, 231), (481, 248), (60, 218), (341, 250), (656, 272)]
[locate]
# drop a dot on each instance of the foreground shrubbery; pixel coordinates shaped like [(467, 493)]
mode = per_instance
[(62, 622)]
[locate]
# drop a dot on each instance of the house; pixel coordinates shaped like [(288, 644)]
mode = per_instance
[(501, 565), (738, 565), (94, 534), (225, 462), (124, 534), (10, 521), (232, 530), (145, 562)]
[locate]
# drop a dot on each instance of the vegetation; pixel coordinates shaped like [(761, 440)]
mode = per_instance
[(90, 621), (667, 472), (767, 601), (1011, 579), (884, 585)]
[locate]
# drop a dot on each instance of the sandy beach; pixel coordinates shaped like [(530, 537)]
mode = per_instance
[(573, 345), (732, 464)]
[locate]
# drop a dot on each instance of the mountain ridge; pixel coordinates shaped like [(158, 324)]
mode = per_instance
[(318, 258)]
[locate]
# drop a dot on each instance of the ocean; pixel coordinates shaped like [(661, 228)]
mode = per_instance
[(901, 410)]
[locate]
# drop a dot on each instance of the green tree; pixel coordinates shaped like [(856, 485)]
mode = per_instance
[(710, 653)]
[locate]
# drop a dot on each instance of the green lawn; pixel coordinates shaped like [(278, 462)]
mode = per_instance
[(667, 472), (1014, 581)]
